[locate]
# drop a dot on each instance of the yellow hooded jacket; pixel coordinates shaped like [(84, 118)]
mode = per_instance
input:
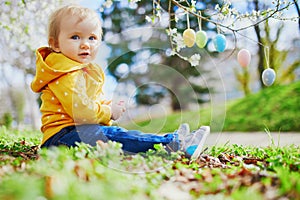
[(71, 92)]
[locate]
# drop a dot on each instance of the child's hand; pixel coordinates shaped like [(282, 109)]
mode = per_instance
[(117, 110)]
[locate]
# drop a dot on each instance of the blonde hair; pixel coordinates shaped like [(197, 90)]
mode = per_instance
[(70, 10)]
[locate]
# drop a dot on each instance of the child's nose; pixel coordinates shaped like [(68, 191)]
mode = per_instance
[(85, 45)]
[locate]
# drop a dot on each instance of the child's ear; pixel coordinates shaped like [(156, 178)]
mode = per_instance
[(54, 45)]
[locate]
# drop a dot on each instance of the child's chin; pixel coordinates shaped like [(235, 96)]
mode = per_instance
[(83, 61)]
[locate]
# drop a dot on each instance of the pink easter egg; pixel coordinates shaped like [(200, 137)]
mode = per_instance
[(244, 57)]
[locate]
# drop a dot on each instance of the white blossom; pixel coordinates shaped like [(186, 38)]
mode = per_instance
[(108, 3), (134, 1), (195, 59), (148, 19), (23, 26), (172, 31), (178, 41)]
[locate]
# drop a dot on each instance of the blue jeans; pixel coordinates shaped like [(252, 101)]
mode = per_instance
[(132, 141)]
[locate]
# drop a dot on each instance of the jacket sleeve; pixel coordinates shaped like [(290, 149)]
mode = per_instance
[(78, 99)]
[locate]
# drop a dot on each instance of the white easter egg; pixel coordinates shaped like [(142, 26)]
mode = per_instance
[(268, 76)]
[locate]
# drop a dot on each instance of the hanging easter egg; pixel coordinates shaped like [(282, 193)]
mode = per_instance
[(244, 57), (268, 76), (220, 42), (189, 37), (201, 39)]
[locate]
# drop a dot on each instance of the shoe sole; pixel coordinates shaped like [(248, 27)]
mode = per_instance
[(199, 148)]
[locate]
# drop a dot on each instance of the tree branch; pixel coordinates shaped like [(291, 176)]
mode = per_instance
[(298, 11), (239, 29)]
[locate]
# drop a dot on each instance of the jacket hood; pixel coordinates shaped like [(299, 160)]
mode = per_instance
[(51, 65)]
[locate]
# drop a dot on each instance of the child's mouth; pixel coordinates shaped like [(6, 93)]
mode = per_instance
[(83, 54)]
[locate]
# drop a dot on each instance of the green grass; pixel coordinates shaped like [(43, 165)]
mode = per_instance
[(223, 172), (275, 108)]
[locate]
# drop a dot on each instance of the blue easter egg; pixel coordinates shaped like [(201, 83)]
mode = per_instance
[(220, 42), (268, 76)]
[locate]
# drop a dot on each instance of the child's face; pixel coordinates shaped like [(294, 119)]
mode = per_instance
[(78, 40)]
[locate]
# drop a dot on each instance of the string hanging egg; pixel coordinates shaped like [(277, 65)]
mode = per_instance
[(189, 35), (201, 37), (268, 76)]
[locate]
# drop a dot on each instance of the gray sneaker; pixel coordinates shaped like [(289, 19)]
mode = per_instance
[(192, 144), (183, 131)]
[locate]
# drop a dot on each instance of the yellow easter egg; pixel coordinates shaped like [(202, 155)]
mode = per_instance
[(189, 37)]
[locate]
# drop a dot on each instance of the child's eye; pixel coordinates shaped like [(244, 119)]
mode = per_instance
[(92, 38), (75, 37)]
